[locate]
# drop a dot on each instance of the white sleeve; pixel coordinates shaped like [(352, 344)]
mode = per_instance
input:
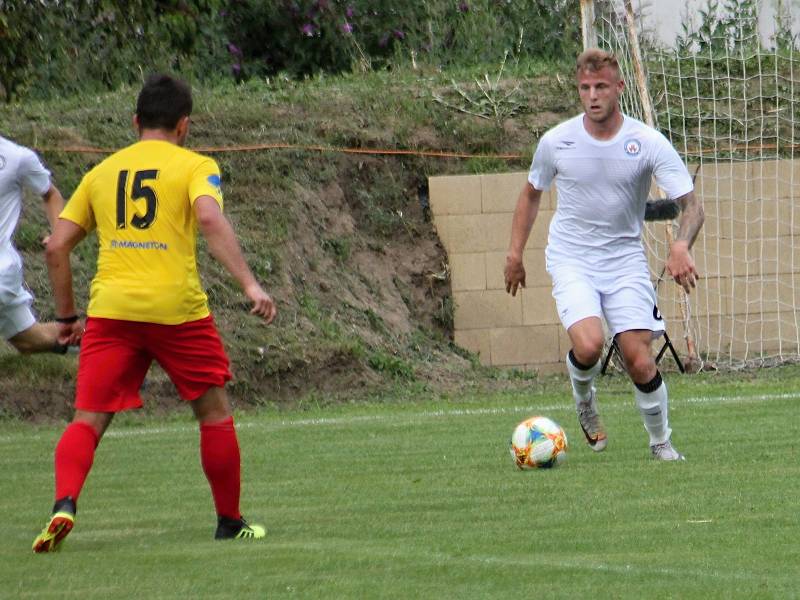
[(669, 171), (543, 168), (32, 173)]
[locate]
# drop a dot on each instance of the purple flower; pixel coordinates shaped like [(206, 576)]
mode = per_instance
[(307, 30), (399, 34), (223, 13), (349, 12), (384, 41), (236, 69), (463, 7), (234, 49), (347, 27)]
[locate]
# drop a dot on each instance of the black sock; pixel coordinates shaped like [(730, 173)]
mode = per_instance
[(66, 504), (652, 385), (576, 364)]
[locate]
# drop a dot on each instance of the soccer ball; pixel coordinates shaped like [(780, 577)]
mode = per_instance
[(538, 443)]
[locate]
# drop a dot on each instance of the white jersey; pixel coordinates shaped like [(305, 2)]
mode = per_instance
[(602, 189), (19, 167)]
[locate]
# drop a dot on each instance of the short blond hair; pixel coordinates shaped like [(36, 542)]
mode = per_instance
[(595, 59)]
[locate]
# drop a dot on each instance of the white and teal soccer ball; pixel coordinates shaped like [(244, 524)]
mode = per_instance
[(538, 443)]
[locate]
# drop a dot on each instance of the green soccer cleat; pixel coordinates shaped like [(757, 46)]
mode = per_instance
[(61, 523), (238, 529)]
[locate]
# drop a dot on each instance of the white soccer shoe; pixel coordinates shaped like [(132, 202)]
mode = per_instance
[(665, 451)]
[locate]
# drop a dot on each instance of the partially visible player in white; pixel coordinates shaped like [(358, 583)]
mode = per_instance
[(21, 168), (603, 162)]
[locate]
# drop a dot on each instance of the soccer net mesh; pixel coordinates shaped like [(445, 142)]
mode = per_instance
[(727, 95)]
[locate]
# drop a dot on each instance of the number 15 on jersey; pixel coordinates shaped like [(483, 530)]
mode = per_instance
[(140, 190)]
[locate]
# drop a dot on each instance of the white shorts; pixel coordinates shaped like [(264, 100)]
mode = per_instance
[(626, 300), (15, 304)]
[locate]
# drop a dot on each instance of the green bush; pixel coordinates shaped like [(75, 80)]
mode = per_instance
[(55, 47), (50, 47), (304, 37)]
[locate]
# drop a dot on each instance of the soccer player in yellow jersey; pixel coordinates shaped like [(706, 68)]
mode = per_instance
[(146, 203)]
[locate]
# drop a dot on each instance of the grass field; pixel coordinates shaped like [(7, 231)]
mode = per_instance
[(420, 499)]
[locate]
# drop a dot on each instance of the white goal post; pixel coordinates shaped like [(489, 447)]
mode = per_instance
[(726, 92)]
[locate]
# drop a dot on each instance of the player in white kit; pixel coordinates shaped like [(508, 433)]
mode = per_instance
[(21, 168), (603, 162)]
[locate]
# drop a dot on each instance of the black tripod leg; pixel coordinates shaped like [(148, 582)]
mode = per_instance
[(611, 349), (668, 344)]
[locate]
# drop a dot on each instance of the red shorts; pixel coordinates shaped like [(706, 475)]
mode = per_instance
[(115, 356)]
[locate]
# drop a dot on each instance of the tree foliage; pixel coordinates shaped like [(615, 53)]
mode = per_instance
[(306, 36), (725, 26), (50, 47)]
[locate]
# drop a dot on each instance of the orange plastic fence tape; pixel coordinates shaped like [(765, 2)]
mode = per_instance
[(389, 151), (280, 146)]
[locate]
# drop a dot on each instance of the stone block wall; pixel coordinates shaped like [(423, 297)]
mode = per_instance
[(748, 254), (472, 214)]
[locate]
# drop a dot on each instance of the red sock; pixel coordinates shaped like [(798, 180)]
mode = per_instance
[(219, 454), (73, 459)]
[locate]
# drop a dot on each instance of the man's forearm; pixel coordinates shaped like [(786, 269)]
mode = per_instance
[(53, 205), (692, 218), (225, 248), (65, 235), (60, 271), (522, 223)]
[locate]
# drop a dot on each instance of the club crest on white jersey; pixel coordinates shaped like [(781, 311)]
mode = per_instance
[(633, 147)]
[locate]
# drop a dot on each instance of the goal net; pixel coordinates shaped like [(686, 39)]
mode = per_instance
[(726, 92)]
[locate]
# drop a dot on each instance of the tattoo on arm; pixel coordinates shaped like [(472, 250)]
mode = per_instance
[(691, 220)]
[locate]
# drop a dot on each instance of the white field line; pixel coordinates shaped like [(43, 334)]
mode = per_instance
[(407, 418)]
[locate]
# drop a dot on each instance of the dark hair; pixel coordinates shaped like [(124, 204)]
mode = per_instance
[(163, 101)]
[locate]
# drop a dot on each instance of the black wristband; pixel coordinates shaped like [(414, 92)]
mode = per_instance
[(67, 320)]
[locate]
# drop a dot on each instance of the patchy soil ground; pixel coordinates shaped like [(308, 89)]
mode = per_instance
[(344, 242)]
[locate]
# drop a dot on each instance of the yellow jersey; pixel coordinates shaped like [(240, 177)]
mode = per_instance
[(140, 199)]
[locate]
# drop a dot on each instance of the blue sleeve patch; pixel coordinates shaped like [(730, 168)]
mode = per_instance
[(215, 181)]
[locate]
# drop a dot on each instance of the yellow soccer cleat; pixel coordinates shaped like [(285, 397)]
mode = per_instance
[(61, 523), (238, 529), (54, 533)]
